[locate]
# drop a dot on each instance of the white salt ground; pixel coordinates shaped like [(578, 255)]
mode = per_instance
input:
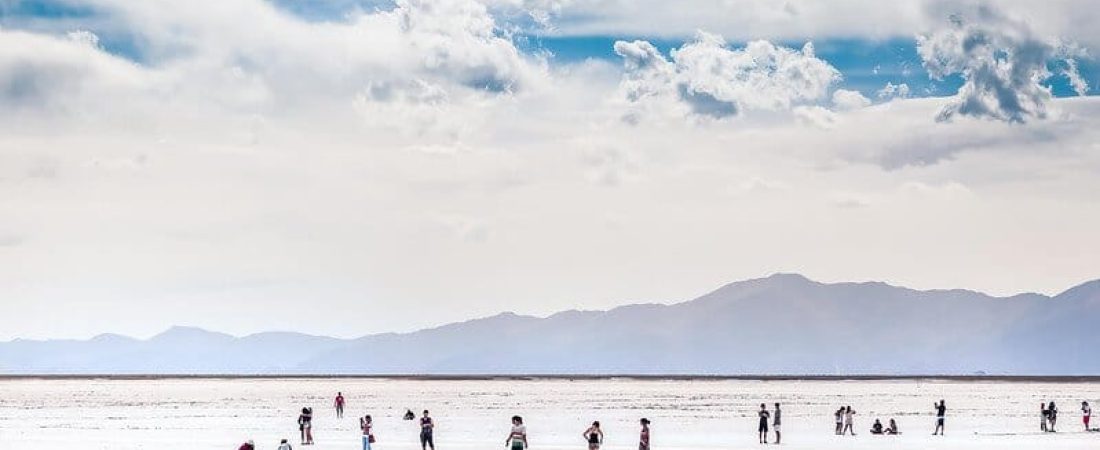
[(170, 414)]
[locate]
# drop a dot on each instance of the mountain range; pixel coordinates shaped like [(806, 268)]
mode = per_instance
[(784, 324)]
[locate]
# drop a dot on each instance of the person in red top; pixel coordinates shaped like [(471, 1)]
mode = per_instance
[(247, 446), (643, 443), (339, 404)]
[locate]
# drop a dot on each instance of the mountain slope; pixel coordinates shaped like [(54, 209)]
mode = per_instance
[(783, 324)]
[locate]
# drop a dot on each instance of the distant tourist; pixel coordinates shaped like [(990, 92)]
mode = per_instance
[(305, 425), (1052, 415), (776, 422), (284, 445), (941, 414), (339, 404), (409, 415), (1086, 414), (893, 428), (366, 425), (643, 440), (248, 445), (1044, 415), (517, 438), (594, 436), (762, 428), (849, 419), (427, 426), (839, 415), (877, 428)]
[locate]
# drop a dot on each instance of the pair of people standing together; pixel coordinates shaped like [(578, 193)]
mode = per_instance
[(777, 421)]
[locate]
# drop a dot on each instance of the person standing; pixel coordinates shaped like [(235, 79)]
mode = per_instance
[(594, 436), (367, 427), (941, 414), (427, 427), (305, 425), (517, 438), (1086, 414), (849, 419), (339, 404), (762, 427), (839, 416), (1044, 416), (1052, 413), (777, 420), (643, 440)]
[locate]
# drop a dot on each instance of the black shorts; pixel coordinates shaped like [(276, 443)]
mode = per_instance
[(763, 427)]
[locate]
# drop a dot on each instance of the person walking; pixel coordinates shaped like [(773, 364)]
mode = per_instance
[(338, 403), (776, 422), (1086, 414), (762, 427), (427, 427), (517, 438), (849, 419), (941, 414), (366, 425), (643, 439), (594, 436)]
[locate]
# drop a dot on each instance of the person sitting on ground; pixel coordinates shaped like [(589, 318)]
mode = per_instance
[(409, 415), (248, 445), (284, 445), (877, 427), (893, 428)]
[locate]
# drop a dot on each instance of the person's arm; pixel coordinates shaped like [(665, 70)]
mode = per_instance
[(601, 436)]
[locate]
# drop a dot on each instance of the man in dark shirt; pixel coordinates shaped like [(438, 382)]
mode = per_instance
[(426, 427), (941, 413)]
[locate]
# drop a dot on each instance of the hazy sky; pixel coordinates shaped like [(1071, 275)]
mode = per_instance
[(348, 167)]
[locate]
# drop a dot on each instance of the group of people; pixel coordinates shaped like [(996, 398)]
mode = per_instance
[(845, 419), (776, 420), (593, 435)]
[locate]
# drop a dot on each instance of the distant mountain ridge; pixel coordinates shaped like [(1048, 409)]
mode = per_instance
[(784, 324)]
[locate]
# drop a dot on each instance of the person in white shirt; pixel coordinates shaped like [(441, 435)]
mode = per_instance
[(1086, 414), (284, 445), (517, 438)]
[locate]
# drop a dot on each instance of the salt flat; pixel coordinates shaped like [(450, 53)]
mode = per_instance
[(473, 414)]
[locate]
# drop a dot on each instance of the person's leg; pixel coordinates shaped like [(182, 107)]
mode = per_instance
[(423, 441), (431, 441)]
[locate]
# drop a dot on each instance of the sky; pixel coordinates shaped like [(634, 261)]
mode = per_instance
[(349, 167)]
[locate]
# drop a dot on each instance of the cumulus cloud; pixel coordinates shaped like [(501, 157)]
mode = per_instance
[(891, 91), (847, 100), (1003, 65), (200, 57), (708, 78)]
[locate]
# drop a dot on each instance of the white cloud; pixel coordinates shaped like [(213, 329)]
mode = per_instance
[(712, 80), (1002, 63), (847, 100), (351, 159), (891, 91)]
